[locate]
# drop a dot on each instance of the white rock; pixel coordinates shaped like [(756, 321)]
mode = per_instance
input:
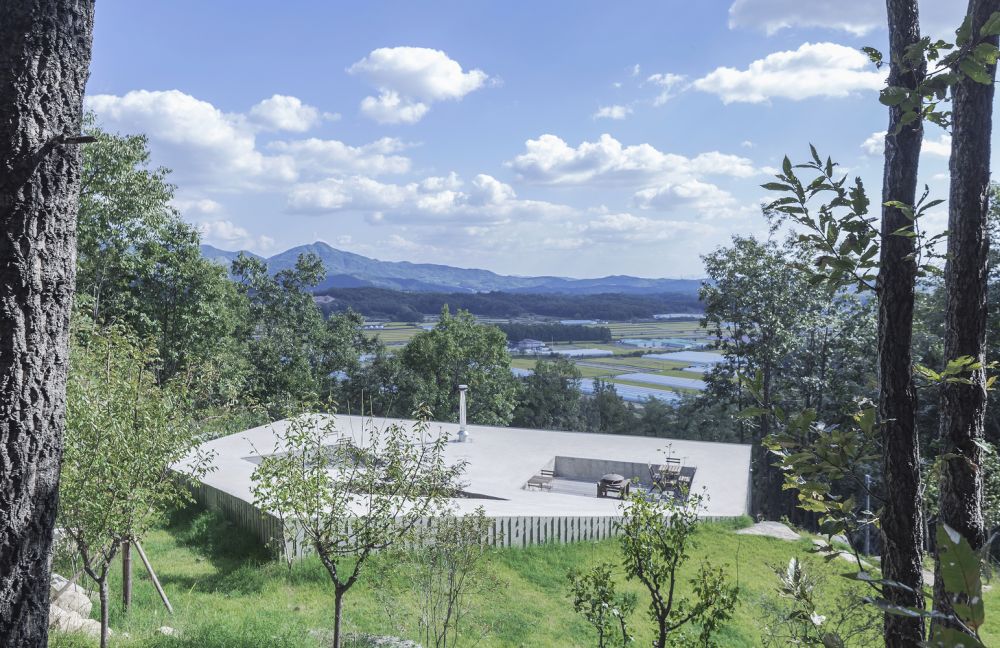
[(167, 631), (74, 599), (68, 621), (777, 530)]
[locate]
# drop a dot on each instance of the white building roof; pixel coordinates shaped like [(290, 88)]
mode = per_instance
[(500, 461)]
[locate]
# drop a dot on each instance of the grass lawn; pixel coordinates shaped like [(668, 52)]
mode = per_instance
[(226, 594)]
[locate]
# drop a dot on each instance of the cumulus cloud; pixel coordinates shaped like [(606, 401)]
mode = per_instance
[(856, 17), (199, 142), (229, 236), (613, 112), (188, 206), (550, 160), (669, 84), (324, 157), (940, 147), (409, 80), (484, 199), (813, 70), (702, 196), (281, 112)]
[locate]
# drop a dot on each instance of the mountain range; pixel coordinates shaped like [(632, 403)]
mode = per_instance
[(349, 270)]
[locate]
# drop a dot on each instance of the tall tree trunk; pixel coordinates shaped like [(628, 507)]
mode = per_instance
[(902, 530), (963, 407), (44, 60)]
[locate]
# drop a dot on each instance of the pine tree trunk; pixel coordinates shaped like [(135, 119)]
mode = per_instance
[(902, 529), (963, 406), (44, 60)]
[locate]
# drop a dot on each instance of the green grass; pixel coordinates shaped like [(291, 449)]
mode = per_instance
[(227, 594)]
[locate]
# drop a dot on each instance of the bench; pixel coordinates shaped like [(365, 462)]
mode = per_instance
[(542, 480)]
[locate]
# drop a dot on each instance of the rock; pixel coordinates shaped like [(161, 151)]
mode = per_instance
[(69, 621), (167, 631), (73, 599), (844, 555), (777, 530)]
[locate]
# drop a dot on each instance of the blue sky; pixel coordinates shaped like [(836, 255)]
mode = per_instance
[(574, 138)]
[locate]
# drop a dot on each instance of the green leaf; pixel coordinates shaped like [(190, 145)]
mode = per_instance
[(992, 25), (975, 71), (960, 574), (893, 95)]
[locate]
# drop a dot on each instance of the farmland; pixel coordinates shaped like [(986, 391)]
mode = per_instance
[(627, 366)]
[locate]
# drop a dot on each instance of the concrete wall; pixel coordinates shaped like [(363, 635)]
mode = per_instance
[(506, 531), (592, 470)]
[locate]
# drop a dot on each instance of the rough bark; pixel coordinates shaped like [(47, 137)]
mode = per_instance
[(902, 529), (44, 59), (963, 406)]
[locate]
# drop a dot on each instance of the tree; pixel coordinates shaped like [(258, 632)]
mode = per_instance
[(596, 599), (550, 396), (139, 263), (450, 570), (293, 352), (901, 523), (123, 434), (656, 536), (459, 351), (45, 48), (963, 405), (755, 303), (606, 412), (348, 497)]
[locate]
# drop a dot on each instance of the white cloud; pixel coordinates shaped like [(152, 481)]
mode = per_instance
[(229, 236), (432, 199), (390, 108), (613, 112), (813, 70), (201, 144), (550, 160), (669, 84), (188, 206), (629, 228), (858, 17), (692, 194), (285, 113), (940, 147), (410, 79), (323, 157)]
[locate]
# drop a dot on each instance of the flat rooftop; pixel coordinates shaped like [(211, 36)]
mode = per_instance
[(501, 460)]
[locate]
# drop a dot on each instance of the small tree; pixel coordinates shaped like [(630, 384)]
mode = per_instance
[(595, 598), (348, 497), (450, 571), (796, 620), (123, 433), (656, 536)]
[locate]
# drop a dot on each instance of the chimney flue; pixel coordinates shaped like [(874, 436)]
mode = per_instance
[(463, 436)]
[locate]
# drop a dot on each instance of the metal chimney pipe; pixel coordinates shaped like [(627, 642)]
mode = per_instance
[(463, 436)]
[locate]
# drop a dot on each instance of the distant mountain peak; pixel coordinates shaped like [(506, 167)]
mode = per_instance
[(350, 270)]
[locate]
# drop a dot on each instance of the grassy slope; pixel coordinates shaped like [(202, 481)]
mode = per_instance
[(226, 595)]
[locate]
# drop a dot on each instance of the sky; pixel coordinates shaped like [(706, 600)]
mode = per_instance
[(565, 137)]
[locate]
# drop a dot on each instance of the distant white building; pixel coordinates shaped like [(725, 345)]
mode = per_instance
[(677, 316), (529, 346)]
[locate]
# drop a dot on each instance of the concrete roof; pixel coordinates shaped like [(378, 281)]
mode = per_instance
[(500, 461)]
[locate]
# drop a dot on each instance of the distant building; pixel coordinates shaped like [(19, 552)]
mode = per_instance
[(373, 327), (678, 316), (578, 322), (528, 346), (658, 343)]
